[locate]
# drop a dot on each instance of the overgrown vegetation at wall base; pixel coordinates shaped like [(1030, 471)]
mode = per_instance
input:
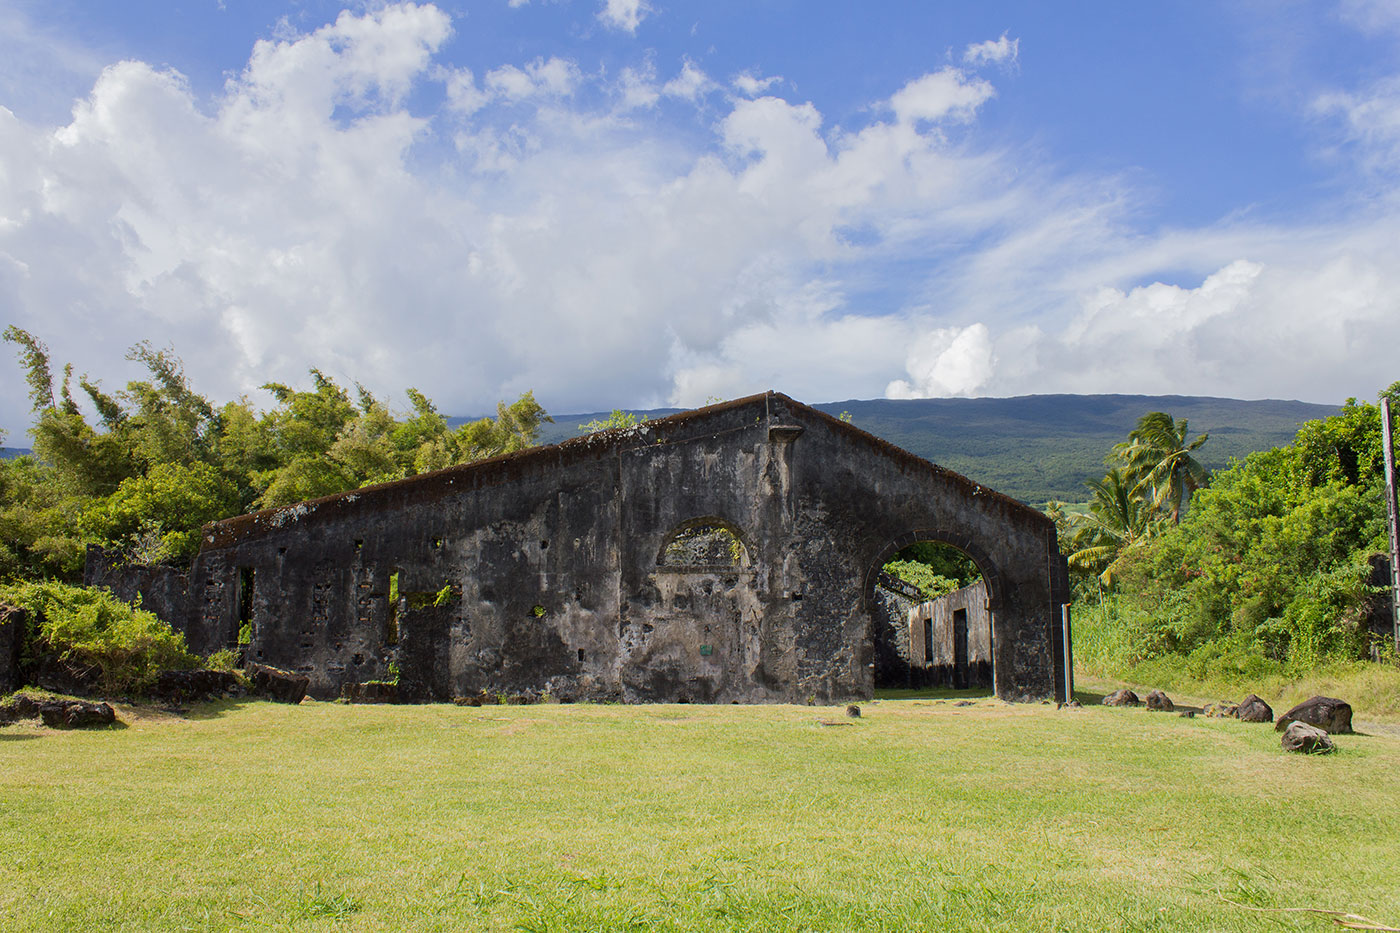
[(92, 628), (162, 460), (1267, 575)]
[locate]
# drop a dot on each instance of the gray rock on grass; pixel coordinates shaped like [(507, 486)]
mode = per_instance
[(1158, 701), (283, 686), (1253, 709), (1124, 697), (1309, 740), (76, 714)]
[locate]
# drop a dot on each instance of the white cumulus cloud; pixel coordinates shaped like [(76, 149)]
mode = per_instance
[(946, 93), (625, 15), (1002, 51), (543, 226)]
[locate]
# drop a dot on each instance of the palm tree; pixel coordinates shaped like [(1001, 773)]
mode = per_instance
[(1118, 519), (1158, 456)]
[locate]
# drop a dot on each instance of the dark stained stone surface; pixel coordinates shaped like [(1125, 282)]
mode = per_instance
[(1160, 702), (1327, 713), (567, 571), (1124, 697)]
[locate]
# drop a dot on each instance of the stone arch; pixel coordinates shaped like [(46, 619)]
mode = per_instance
[(667, 559), (991, 574)]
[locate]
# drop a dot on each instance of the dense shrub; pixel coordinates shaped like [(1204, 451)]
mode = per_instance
[(129, 645), (1265, 574)]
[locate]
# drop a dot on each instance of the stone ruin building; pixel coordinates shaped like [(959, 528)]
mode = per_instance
[(950, 639), (727, 554)]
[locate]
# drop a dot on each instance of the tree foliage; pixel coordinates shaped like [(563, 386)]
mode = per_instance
[(160, 460), (1271, 561), (618, 419), (91, 627), (1151, 478), (934, 568)]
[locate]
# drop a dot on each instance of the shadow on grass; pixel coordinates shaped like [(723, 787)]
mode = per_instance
[(8, 737), (933, 693), (214, 709)]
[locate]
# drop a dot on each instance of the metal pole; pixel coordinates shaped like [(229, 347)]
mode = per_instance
[(1390, 513), (1069, 663)]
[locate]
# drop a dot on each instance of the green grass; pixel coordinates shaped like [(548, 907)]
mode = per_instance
[(1373, 690), (919, 815)]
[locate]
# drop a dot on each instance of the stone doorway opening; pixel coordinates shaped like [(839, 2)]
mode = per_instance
[(931, 621)]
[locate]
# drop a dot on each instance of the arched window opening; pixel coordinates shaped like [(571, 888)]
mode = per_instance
[(704, 544)]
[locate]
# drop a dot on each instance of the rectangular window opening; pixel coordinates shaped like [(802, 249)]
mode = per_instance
[(243, 634), (928, 641), (580, 654), (391, 620)]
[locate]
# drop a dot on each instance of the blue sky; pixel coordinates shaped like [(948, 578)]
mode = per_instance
[(623, 203)]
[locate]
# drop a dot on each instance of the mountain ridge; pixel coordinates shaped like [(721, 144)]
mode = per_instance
[(1031, 447), (1040, 447)]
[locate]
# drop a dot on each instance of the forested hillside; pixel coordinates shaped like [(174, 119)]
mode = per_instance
[(1042, 447)]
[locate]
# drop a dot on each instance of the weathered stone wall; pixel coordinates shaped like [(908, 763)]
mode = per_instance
[(889, 629), (957, 655), (161, 588), (548, 570)]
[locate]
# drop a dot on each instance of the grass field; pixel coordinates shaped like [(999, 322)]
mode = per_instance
[(922, 814)]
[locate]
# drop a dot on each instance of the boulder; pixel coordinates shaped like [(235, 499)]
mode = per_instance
[(1301, 737), (1327, 713), (853, 711), (1160, 702), (279, 685), (1124, 697), (1253, 709), (26, 706), (75, 714)]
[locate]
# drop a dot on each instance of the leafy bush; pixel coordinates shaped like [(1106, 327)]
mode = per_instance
[(1266, 574), (129, 645), (921, 576)]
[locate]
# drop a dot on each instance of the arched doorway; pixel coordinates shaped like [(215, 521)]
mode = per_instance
[(930, 606)]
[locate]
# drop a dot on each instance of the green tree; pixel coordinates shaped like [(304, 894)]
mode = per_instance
[(1118, 518), (618, 419), (1157, 455), (162, 460), (1270, 566), (157, 516)]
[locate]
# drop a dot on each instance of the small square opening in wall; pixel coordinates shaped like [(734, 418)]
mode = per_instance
[(544, 545), (707, 650), (580, 654), (437, 543), (359, 543)]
